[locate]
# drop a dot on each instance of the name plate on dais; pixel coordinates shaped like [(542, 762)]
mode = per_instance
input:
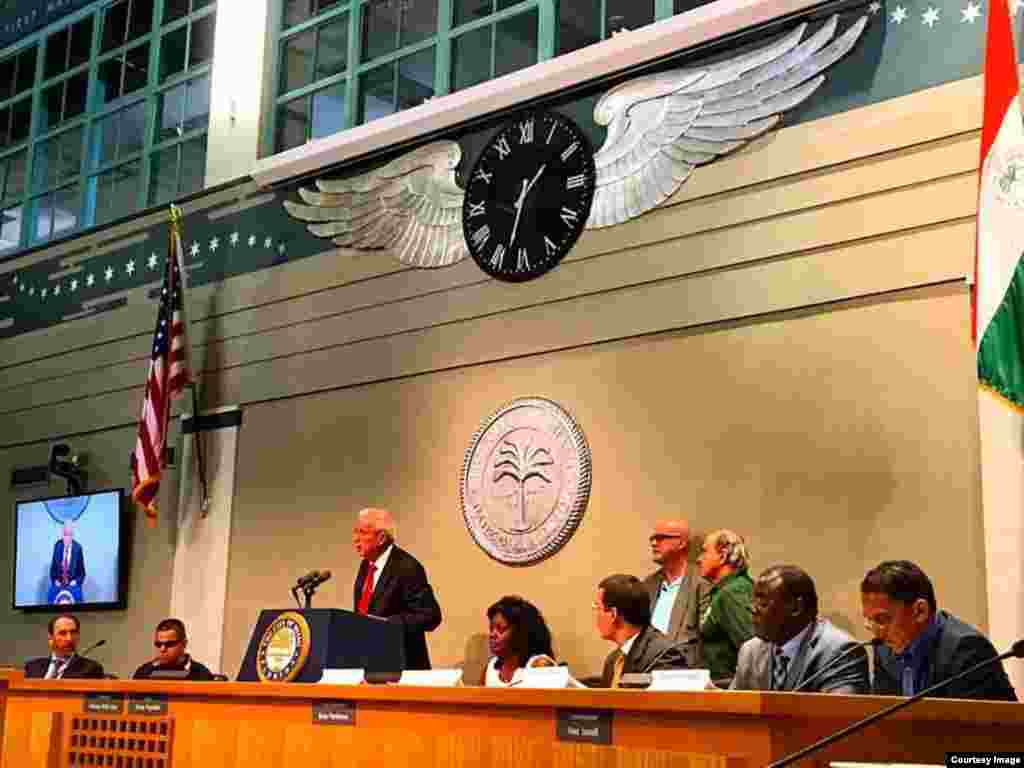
[(587, 726), (334, 713), (104, 703), (526, 481), (149, 705)]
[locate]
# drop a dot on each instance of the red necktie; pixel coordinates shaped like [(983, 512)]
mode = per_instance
[(364, 599)]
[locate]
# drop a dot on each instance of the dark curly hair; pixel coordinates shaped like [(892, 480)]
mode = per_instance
[(530, 634)]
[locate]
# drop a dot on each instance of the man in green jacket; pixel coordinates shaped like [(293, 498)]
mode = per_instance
[(726, 621)]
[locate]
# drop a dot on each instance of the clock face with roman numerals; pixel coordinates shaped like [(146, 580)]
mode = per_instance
[(528, 196)]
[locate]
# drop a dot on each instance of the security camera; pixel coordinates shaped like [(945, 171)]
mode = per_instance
[(70, 469)]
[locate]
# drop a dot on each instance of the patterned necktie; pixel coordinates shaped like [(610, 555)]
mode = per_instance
[(56, 668), (364, 599), (620, 664), (780, 666), (67, 564)]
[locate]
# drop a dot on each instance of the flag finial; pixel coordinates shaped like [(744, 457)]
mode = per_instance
[(175, 214)]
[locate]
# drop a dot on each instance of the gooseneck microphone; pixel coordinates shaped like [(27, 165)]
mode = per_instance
[(308, 584), (91, 648), (1017, 651), (832, 664)]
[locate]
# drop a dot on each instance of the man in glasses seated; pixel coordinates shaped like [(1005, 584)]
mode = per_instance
[(921, 645), (674, 588), (171, 661)]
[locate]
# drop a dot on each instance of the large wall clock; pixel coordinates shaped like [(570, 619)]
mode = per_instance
[(528, 196)]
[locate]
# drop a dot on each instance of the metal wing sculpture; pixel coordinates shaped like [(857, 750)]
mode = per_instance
[(412, 206), (660, 127)]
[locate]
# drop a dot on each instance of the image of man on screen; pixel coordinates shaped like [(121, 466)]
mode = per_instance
[(67, 568)]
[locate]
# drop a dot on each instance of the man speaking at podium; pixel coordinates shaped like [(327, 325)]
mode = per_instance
[(67, 566), (392, 584)]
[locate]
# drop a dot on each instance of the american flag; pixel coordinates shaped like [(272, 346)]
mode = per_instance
[(169, 374)]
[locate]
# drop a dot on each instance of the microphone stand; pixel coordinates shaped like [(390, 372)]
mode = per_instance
[(1016, 650)]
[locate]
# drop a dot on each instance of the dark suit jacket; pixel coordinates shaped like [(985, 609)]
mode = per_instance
[(76, 567), (402, 595), (650, 651), (78, 668), (684, 622), (957, 647), (821, 645), (196, 671)]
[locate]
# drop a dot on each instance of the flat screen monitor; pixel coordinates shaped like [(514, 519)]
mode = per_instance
[(70, 552)]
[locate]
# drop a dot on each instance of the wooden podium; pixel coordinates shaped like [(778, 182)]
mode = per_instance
[(236, 725)]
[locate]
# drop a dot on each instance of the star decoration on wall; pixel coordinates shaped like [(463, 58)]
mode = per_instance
[(971, 13), (129, 268), (252, 241), (151, 262), (874, 8), (930, 16), (234, 239), (214, 244), (108, 274), (194, 250), (90, 280), (56, 290), (74, 285), (267, 242), (898, 15)]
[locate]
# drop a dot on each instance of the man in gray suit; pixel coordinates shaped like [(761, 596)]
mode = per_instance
[(674, 588), (622, 612), (792, 649)]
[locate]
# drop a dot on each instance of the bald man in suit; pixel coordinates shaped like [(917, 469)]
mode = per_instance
[(392, 584)]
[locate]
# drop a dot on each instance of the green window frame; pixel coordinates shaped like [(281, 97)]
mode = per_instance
[(469, 42), (103, 114)]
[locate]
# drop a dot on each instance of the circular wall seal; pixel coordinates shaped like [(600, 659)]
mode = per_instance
[(67, 509), (526, 481), (283, 649)]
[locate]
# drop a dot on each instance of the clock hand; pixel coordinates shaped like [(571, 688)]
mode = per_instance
[(519, 212), (533, 181)]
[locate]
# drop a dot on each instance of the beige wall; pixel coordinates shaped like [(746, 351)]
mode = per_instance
[(831, 440), (781, 349)]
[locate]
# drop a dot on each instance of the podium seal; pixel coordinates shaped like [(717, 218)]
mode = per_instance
[(283, 649), (525, 481)]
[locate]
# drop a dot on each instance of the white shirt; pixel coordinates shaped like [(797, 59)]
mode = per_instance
[(492, 678), (791, 647), (628, 644), (379, 563)]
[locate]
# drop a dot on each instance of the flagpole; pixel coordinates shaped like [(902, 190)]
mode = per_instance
[(204, 501)]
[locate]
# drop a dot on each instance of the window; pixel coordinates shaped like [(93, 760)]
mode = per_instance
[(342, 63), (122, 97), (346, 62)]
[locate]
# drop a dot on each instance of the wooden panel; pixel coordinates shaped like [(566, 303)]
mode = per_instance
[(929, 134), (453, 727), (864, 268), (937, 202)]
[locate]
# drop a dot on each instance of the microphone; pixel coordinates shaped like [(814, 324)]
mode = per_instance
[(1016, 651), (677, 646), (321, 578), (309, 578), (92, 648), (874, 642)]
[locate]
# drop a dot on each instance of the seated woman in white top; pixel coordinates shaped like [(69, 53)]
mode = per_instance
[(518, 638)]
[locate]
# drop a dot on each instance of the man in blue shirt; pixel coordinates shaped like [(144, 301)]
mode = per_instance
[(675, 588), (922, 645)]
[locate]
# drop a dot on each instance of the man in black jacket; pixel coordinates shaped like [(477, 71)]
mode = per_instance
[(921, 645), (392, 584), (171, 660), (63, 663), (623, 615)]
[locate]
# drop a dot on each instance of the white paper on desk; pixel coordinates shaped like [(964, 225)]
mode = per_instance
[(441, 678), (343, 676), (680, 680), (545, 677)]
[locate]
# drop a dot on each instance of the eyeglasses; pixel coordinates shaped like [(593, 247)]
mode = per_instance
[(657, 538), (160, 644)]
